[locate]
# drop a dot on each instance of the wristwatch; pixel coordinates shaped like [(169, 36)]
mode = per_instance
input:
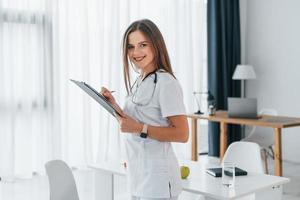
[(144, 133)]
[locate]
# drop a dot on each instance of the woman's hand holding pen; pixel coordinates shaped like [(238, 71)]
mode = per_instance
[(107, 94)]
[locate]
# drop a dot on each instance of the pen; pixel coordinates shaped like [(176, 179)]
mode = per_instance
[(112, 91)]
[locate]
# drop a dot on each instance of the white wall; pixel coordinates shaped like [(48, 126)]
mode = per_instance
[(271, 43)]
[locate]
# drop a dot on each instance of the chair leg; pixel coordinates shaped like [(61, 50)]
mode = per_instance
[(266, 161), (272, 151)]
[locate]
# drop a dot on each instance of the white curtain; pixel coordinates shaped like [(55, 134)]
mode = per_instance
[(45, 116), (25, 120)]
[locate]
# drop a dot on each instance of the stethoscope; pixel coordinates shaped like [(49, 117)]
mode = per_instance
[(133, 96)]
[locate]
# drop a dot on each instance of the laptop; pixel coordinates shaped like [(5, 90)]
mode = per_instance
[(242, 108)]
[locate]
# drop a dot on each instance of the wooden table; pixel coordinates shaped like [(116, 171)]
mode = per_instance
[(275, 122)]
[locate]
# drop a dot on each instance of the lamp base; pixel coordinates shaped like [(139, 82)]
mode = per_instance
[(199, 112)]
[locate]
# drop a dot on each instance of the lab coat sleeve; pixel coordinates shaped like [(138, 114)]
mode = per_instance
[(171, 99)]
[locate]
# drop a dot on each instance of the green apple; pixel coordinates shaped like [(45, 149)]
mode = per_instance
[(185, 171)]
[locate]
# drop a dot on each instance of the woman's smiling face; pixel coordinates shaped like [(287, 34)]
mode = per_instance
[(140, 52)]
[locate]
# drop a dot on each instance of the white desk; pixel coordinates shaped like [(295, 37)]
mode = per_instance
[(199, 182)]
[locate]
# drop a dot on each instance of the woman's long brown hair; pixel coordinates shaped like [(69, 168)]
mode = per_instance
[(161, 57)]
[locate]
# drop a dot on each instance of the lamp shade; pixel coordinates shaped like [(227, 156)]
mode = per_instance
[(243, 72)]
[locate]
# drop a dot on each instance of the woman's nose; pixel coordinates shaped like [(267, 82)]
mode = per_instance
[(136, 51)]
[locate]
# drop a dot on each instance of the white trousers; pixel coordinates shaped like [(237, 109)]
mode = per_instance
[(141, 198)]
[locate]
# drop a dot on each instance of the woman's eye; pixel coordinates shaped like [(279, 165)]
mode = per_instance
[(129, 47), (143, 45)]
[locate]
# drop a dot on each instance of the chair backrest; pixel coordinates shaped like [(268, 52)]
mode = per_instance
[(262, 135), (245, 155), (61, 181)]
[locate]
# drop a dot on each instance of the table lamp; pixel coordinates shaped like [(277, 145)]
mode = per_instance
[(243, 72), (210, 99)]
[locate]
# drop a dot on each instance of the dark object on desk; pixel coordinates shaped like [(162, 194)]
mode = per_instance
[(217, 172), (97, 96), (211, 110)]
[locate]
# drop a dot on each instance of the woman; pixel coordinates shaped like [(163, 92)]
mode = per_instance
[(153, 115)]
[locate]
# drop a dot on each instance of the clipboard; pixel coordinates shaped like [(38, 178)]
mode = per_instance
[(97, 96)]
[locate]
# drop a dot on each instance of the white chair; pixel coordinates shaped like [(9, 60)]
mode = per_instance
[(61, 181), (247, 156), (264, 137)]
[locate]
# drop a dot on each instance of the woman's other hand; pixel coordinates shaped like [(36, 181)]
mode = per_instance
[(129, 125)]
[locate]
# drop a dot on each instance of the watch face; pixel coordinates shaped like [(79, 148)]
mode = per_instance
[(143, 135)]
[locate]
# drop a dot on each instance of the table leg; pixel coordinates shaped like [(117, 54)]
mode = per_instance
[(194, 140), (223, 139), (278, 152)]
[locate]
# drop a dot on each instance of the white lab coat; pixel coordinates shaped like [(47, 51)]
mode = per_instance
[(153, 169)]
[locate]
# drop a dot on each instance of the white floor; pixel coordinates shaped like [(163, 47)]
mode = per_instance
[(37, 187)]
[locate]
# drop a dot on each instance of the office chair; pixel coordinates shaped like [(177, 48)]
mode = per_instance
[(264, 137), (61, 181), (247, 156)]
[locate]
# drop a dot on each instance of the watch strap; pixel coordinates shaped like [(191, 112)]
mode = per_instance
[(144, 133)]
